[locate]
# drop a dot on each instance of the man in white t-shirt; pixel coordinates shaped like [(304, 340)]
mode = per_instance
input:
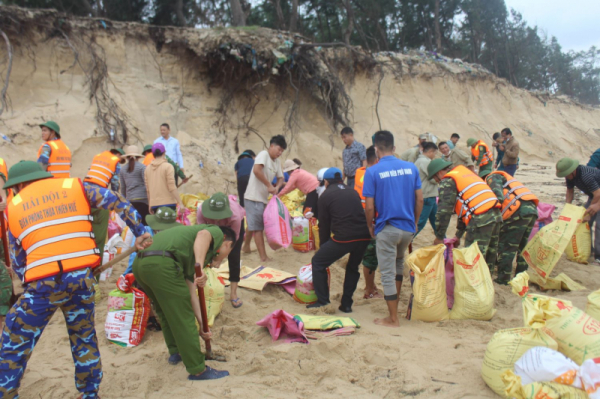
[(266, 167)]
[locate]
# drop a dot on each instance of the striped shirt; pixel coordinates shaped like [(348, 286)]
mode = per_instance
[(586, 179)]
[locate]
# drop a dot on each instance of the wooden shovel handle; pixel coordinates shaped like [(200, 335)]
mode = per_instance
[(203, 312)]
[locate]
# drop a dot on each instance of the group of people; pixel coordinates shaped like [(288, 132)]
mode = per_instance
[(371, 210)]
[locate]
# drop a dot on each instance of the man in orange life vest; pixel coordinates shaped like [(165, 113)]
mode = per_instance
[(53, 252), (5, 279), (370, 257), (54, 156), (482, 155), (519, 213), (464, 193), (104, 172)]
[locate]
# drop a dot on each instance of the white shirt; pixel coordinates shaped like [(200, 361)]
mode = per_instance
[(172, 149), (256, 190)]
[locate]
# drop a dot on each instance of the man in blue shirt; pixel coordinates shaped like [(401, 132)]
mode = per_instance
[(595, 160), (172, 148), (453, 140), (393, 187)]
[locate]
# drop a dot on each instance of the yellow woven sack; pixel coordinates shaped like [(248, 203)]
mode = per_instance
[(577, 333), (473, 289), (324, 323), (539, 390), (294, 202), (214, 293), (593, 305), (505, 348), (579, 248), (428, 301), (547, 246), (315, 230)]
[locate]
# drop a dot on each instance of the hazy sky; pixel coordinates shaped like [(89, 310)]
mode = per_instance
[(575, 23)]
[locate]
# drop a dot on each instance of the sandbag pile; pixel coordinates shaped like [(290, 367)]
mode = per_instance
[(550, 323)]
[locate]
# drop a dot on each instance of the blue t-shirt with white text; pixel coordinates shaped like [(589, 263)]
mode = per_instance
[(392, 183)]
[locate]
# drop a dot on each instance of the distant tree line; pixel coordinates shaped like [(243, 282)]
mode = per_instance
[(477, 31)]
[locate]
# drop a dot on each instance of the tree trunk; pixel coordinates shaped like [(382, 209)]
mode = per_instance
[(279, 13), (436, 26), (294, 17), (237, 13), (350, 16), (179, 13)]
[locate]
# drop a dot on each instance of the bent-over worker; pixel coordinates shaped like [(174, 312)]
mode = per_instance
[(464, 193), (166, 272)]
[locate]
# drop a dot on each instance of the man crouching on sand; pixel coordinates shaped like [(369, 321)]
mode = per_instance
[(393, 187)]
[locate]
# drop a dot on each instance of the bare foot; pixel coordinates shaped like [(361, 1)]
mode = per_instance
[(267, 259), (246, 250), (387, 322)]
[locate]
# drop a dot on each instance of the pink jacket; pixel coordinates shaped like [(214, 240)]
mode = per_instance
[(301, 179)]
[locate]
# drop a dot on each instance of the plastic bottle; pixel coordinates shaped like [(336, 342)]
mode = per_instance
[(112, 134), (201, 165), (5, 137)]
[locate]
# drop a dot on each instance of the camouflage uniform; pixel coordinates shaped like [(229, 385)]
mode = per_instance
[(71, 292), (484, 228), (485, 169), (514, 234), (370, 257), (5, 284)]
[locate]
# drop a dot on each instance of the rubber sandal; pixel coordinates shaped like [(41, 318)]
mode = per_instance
[(174, 359), (372, 295), (236, 303), (209, 374)]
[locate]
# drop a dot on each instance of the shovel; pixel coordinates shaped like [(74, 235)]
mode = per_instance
[(209, 353)]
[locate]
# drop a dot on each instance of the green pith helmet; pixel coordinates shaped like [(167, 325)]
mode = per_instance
[(471, 142), (52, 125), (566, 166), (217, 207), (25, 171), (435, 166), (164, 218), (119, 150), (147, 148)]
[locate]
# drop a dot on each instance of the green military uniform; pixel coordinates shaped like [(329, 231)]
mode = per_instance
[(5, 280), (484, 228), (370, 257), (514, 233), (163, 280), (485, 169)]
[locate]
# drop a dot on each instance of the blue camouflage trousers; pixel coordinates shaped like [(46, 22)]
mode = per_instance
[(73, 294)]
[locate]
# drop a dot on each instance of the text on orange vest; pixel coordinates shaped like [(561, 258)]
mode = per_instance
[(51, 220)]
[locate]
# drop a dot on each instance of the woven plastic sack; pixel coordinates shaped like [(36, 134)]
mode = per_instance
[(127, 317), (214, 294), (428, 301), (294, 202), (324, 323), (545, 249), (593, 305), (315, 230), (579, 248), (474, 290), (545, 212), (305, 290), (539, 390), (577, 333), (301, 234), (505, 348), (278, 224)]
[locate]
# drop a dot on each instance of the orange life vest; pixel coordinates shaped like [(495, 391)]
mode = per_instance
[(474, 196), (104, 166), (487, 157), (51, 220), (514, 193), (148, 159), (4, 169), (59, 163), (359, 181)]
